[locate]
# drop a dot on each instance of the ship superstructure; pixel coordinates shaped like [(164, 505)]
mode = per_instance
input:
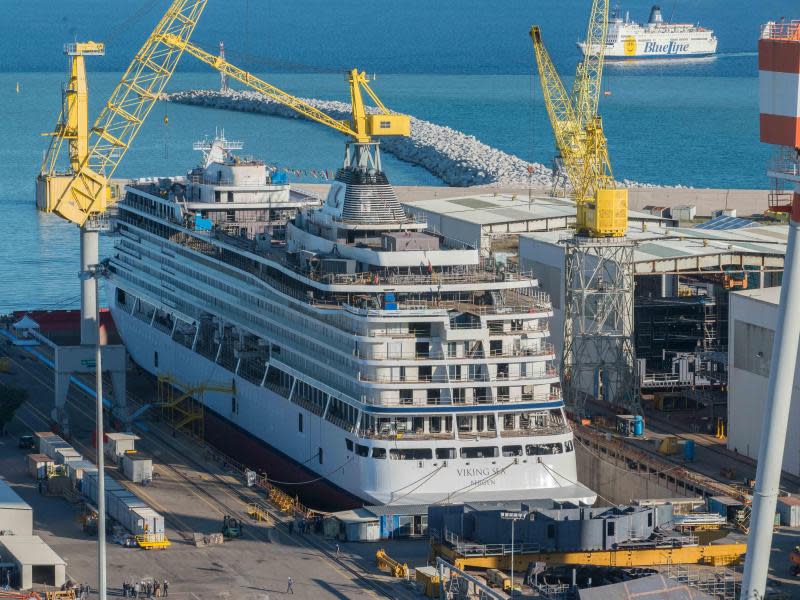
[(654, 39), (387, 359)]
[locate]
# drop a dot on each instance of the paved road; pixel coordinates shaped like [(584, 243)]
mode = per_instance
[(193, 494)]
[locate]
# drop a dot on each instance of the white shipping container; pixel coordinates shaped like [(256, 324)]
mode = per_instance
[(65, 455), (152, 521), (117, 444), (76, 470), (46, 442), (37, 465), (137, 468), (53, 446), (789, 509), (115, 504)]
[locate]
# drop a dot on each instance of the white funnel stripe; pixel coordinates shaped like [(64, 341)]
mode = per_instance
[(779, 93)]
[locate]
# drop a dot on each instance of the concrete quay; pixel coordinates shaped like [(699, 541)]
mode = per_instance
[(193, 493)]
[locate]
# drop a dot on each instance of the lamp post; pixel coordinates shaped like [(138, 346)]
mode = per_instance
[(95, 272), (513, 516)]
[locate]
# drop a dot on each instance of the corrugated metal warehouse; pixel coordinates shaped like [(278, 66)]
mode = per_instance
[(478, 220)]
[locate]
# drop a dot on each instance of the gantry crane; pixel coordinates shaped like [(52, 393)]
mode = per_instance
[(602, 206), (597, 356)]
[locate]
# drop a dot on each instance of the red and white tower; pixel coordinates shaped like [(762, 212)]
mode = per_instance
[(779, 98)]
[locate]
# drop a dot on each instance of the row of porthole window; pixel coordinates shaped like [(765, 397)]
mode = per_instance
[(468, 452)]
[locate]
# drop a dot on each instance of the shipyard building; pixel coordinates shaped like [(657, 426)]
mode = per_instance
[(484, 220), (683, 279), (751, 329)]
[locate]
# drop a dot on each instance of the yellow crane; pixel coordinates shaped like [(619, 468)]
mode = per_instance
[(602, 206), (82, 191), (362, 126)]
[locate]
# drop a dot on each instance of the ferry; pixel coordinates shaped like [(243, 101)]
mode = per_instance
[(360, 349), (628, 40)]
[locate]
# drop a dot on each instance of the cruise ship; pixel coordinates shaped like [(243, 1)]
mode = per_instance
[(362, 349), (629, 40)]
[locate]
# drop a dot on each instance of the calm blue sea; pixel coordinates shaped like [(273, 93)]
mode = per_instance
[(463, 63)]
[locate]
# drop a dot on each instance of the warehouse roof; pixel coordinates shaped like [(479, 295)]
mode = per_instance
[(489, 209), (770, 295), (10, 499), (30, 550), (653, 586), (665, 248)]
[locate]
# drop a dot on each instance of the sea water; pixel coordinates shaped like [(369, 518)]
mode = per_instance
[(463, 63)]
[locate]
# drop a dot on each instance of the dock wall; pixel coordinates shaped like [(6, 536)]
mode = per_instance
[(620, 473)]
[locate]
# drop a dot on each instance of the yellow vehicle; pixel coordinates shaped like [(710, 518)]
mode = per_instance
[(498, 579)]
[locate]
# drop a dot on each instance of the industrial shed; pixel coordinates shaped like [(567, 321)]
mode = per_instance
[(16, 515), (665, 257), (481, 219), (35, 561)]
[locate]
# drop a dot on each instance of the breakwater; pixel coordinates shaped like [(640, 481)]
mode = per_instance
[(456, 158)]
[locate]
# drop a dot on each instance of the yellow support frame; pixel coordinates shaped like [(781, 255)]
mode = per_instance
[(151, 541), (185, 411), (711, 554)]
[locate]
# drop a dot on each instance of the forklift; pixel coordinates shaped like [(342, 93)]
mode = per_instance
[(231, 527)]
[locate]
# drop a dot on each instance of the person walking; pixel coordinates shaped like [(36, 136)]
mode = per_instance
[(290, 586), (156, 589), (136, 589), (337, 550), (166, 588)]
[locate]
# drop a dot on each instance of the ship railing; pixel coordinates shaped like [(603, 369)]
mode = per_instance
[(432, 308), (782, 30), (371, 434), (466, 548), (341, 422), (536, 431), (501, 402), (438, 355), (480, 378), (227, 181), (468, 275)]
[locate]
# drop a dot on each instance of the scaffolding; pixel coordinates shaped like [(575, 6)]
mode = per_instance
[(182, 405), (598, 355), (457, 584), (719, 582)]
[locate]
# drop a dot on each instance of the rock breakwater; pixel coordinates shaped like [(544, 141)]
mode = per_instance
[(456, 158)]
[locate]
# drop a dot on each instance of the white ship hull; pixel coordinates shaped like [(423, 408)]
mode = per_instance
[(628, 40), (273, 420)]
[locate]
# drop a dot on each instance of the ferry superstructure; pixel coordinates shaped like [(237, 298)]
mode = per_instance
[(654, 39), (394, 363)]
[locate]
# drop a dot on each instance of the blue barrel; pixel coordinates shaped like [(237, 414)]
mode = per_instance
[(638, 426), (688, 451)]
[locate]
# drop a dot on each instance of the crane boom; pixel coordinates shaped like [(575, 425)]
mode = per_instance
[(589, 73), (83, 191), (578, 130), (363, 125)]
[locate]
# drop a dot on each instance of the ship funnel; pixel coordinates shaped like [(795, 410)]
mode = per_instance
[(655, 15)]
